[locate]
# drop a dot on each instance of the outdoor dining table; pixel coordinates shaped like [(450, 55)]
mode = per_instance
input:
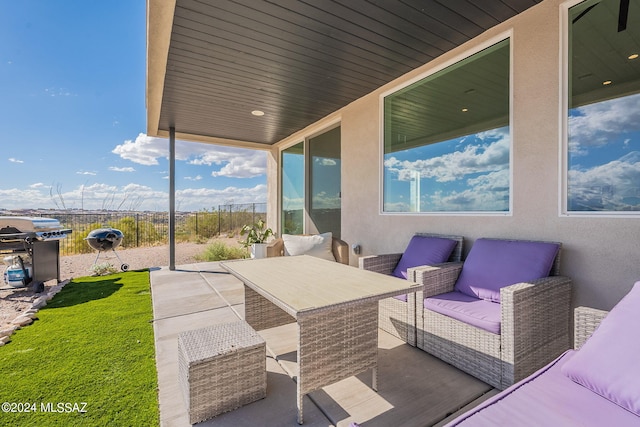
[(334, 305)]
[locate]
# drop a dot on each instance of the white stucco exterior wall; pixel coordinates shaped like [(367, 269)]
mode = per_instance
[(599, 253)]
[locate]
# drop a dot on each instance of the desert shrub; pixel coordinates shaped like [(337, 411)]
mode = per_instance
[(146, 231), (77, 244), (219, 251), (102, 269), (203, 223)]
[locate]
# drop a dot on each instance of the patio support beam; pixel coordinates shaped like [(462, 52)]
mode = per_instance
[(172, 198)]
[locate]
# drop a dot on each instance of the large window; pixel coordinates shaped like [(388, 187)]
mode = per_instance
[(447, 138), (325, 180), (293, 189), (603, 120), (311, 185)]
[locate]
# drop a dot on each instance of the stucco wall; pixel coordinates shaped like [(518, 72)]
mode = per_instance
[(599, 254)]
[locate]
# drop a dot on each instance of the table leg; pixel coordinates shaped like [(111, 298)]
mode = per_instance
[(300, 398), (336, 343)]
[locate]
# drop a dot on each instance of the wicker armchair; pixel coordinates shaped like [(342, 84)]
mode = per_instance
[(340, 249), (395, 316), (534, 326)]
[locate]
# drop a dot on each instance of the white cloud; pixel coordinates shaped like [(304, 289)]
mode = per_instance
[(489, 192), (473, 159), (145, 150), (193, 178), (128, 197), (611, 186), (325, 161), (201, 198), (596, 124), (13, 160), (14, 198), (235, 162), (322, 200), (292, 204), (125, 169), (243, 165), (86, 173), (58, 91)]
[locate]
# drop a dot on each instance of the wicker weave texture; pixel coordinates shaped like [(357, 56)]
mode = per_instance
[(393, 318), (396, 317), (384, 264), (221, 368), (466, 347), (261, 313), (534, 327), (586, 321), (336, 344)]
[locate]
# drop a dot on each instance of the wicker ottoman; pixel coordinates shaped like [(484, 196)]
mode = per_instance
[(221, 368)]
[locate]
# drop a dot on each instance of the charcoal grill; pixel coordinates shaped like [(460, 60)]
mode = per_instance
[(33, 244), (106, 239)]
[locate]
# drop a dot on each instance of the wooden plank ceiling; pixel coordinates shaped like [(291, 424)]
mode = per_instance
[(299, 61)]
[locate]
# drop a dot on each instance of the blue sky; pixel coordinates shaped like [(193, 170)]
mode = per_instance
[(470, 173), (73, 117)]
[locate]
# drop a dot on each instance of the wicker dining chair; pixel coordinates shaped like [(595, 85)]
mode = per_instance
[(397, 316), (534, 325)]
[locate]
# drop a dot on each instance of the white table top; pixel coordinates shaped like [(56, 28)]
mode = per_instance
[(306, 283)]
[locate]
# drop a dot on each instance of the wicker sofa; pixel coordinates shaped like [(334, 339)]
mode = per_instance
[(528, 327), (397, 316), (594, 385)]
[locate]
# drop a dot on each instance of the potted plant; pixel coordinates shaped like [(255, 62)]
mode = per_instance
[(256, 238)]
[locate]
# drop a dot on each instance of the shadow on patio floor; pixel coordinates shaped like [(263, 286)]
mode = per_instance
[(414, 388)]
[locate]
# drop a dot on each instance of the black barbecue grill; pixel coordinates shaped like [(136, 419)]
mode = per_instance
[(106, 239), (33, 244)]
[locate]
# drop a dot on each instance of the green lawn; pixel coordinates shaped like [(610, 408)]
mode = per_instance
[(91, 350)]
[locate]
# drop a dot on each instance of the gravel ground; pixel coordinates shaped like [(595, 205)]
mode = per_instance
[(15, 301)]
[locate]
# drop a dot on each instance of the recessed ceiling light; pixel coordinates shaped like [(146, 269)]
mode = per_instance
[(257, 113), (633, 56), (464, 110), (607, 82)]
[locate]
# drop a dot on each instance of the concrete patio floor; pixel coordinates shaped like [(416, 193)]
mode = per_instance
[(414, 389)]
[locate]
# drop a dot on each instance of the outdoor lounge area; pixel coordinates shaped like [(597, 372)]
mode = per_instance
[(507, 121), (414, 388)]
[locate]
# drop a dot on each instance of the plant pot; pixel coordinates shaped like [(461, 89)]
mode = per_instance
[(259, 250)]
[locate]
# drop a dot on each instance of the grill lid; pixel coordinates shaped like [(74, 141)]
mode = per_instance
[(27, 224)]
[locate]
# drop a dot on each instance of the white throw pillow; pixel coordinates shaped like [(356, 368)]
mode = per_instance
[(318, 245)]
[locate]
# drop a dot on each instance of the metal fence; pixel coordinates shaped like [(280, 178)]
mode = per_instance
[(152, 228)]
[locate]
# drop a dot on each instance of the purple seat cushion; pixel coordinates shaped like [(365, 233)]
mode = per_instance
[(547, 398), (494, 264), (424, 250), (402, 297), (609, 362), (471, 310)]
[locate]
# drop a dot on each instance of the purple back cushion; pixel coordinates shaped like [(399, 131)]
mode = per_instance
[(424, 250), (494, 264), (609, 362)]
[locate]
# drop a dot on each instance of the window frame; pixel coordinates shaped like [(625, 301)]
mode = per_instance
[(563, 158), (506, 35), (305, 140)]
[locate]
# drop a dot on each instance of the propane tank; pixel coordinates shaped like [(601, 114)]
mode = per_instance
[(18, 273)]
